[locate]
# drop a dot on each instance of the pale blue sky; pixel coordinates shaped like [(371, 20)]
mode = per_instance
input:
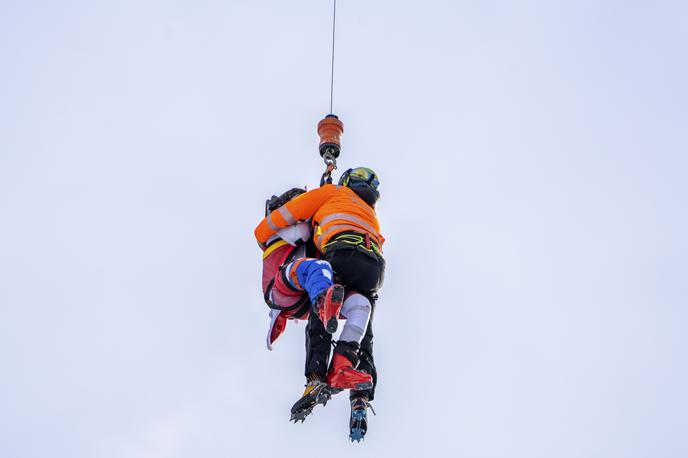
[(532, 157)]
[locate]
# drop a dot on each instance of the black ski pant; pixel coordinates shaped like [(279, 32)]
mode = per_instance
[(357, 270)]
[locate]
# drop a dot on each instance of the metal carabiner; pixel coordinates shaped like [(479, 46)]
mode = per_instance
[(331, 163)]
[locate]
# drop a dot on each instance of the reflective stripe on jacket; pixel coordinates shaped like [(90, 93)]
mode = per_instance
[(334, 209)]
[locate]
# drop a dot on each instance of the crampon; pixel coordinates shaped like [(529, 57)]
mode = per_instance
[(358, 424), (316, 392)]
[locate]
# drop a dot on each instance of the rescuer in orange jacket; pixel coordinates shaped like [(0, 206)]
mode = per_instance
[(334, 209), (347, 233)]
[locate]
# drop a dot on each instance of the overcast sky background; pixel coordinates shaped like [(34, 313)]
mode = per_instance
[(533, 160)]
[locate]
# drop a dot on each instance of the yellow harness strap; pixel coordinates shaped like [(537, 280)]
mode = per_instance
[(273, 247)]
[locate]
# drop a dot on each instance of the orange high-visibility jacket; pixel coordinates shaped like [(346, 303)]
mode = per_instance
[(334, 209)]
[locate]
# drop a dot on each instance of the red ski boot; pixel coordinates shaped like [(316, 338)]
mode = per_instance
[(342, 374), (328, 305)]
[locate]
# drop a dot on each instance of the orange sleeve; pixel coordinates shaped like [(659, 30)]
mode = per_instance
[(299, 209)]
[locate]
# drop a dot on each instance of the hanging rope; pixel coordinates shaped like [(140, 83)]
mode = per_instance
[(334, 23)]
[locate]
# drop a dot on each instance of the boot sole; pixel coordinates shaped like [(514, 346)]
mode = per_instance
[(338, 299), (364, 386), (361, 386)]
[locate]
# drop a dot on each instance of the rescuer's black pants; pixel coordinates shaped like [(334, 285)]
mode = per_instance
[(359, 270)]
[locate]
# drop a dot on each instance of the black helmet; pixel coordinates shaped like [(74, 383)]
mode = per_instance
[(276, 202), (360, 177), (364, 182)]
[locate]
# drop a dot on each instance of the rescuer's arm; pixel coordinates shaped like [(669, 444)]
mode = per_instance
[(299, 209)]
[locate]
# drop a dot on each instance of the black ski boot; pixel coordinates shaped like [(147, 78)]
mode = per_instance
[(358, 424), (316, 392)]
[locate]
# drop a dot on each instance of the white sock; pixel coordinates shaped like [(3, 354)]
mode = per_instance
[(356, 309)]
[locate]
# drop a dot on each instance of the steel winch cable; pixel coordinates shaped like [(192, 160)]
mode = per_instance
[(330, 128), (334, 23)]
